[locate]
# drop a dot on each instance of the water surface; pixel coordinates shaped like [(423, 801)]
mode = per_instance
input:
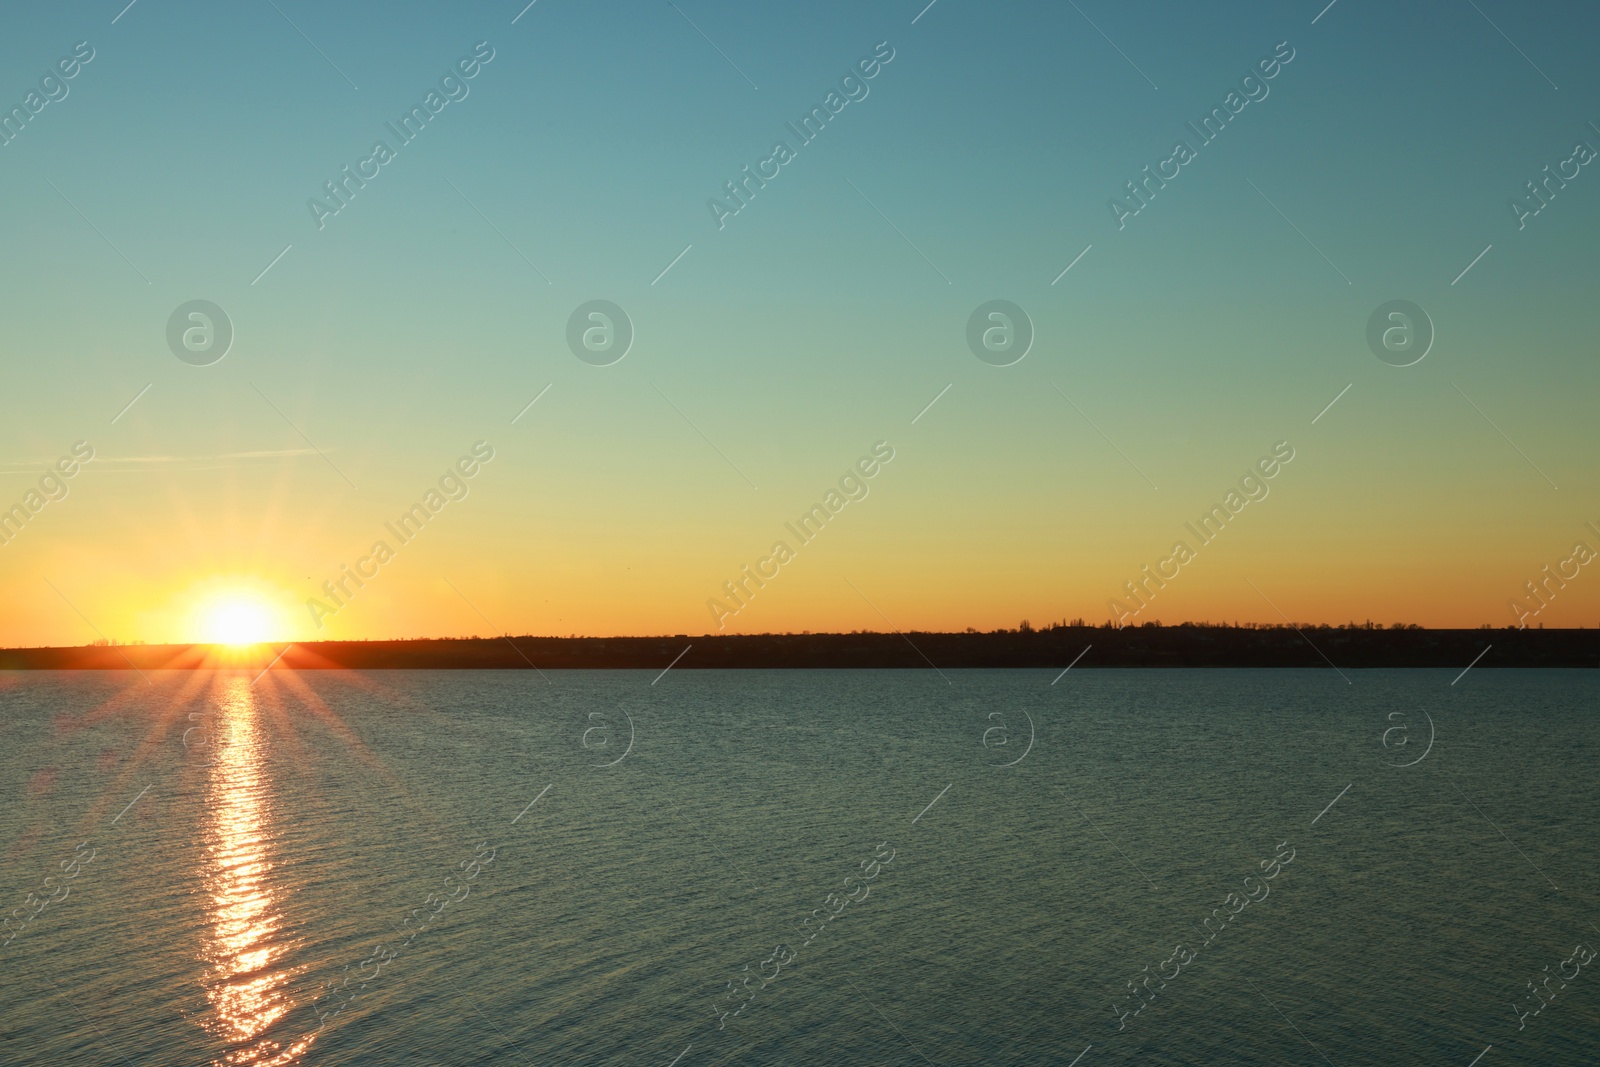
[(490, 867)]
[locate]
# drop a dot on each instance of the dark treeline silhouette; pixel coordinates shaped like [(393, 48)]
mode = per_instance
[(1150, 645)]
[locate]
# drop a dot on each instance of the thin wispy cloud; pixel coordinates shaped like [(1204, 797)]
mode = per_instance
[(129, 464)]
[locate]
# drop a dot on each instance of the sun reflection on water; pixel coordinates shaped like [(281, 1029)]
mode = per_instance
[(246, 980)]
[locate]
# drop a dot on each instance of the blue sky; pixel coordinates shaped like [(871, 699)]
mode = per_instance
[(822, 318)]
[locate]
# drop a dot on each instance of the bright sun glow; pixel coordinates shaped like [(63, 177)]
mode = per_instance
[(237, 620)]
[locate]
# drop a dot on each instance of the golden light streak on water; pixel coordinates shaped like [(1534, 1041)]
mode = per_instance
[(246, 980)]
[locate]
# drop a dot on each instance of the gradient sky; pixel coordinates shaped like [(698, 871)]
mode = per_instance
[(821, 319)]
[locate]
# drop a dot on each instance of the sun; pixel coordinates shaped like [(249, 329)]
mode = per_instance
[(236, 620), (232, 611)]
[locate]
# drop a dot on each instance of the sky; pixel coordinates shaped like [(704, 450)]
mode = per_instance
[(986, 158)]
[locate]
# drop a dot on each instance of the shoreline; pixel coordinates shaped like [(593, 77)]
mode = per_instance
[(1143, 646)]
